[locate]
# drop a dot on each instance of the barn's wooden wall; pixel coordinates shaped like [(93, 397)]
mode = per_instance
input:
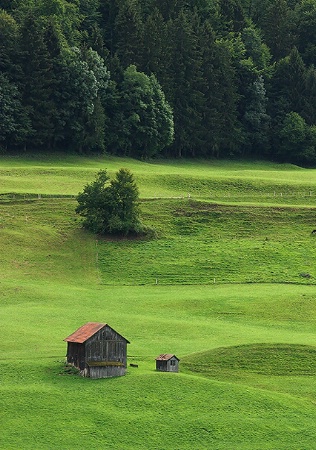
[(106, 372), (76, 354), (106, 345), (103, 355)]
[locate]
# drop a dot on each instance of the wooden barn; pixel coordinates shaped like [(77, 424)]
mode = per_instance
[(97, 351), (167, 363)]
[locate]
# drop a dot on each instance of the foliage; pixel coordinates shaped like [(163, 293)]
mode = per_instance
[(85, 78), (14, 122), (297, 141), (110, 208), (158, 78), (142, 124)]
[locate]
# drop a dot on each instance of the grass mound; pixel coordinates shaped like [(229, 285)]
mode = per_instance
[(263, 359)]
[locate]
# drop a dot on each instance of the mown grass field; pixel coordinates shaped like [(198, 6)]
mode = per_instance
[(227, 284)]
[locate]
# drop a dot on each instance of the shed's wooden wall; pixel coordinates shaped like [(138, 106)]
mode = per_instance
[(161, 366), (171, 365)]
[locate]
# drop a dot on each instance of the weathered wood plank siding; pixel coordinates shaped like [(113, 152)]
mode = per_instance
[(76, 355), (173, 365), (98, 351), (167, 363), (106, 372), (106, 345)]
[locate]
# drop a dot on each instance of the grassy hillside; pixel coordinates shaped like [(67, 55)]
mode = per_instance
[(204, 243), (227, 285), (223, 181)]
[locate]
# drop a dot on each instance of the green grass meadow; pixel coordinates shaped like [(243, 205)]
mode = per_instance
[(228, 284)]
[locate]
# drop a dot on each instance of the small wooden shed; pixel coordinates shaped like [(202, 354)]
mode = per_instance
[(167, 363), (97, 351)]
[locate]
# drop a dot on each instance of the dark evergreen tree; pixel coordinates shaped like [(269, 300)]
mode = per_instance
[(157, 49), (6, 5), (108, 11), (295, 83), (305, 28), (232, 15), (289, 95), (128, 33), (229, 129), (89, 12), (14, 122), (37, 80), (117, 130), (170, 9), (53, 42), (309, 113), (277, 28), (220, 97), (8, 45), (184, 87)]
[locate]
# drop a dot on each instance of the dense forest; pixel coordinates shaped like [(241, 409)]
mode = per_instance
[(167, 78)]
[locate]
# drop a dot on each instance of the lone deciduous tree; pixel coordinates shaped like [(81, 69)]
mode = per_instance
[(111, 206)]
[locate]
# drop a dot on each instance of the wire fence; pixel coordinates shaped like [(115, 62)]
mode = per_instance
[(216, 196), (13, 196)]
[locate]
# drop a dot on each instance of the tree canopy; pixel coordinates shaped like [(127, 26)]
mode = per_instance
[(110, 207), (156, 78)]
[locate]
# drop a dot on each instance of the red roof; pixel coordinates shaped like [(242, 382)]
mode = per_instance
[(165, 357), (85, 332)]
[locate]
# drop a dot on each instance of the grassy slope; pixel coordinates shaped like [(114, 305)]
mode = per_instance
[(54, 277), (203, 243), (219, 180)]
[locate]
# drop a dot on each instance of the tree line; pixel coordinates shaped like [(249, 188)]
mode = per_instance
[(160, 78)]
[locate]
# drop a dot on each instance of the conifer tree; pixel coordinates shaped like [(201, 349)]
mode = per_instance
[(14, 122), (232, 15), (304, 27), (185, 85), (276, 27), (219, 114), (8, 45), (309, 112), (156, 50), (37, 80), (128, 34)]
